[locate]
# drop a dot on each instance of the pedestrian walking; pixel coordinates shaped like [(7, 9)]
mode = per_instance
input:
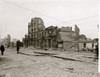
[(96, 52), (2, 48), (18, 49)]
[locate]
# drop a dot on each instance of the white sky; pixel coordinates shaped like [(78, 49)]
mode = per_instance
[(14, 18)]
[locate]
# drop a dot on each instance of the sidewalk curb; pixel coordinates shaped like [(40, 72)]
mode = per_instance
[(56, 56)]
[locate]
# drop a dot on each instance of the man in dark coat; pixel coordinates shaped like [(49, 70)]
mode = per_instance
[(96, 52), (18, 49), (2, 49)]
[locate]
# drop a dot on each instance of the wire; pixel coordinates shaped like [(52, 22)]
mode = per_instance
[(83, 18), (79, 19), (32, 10), (50, 16)]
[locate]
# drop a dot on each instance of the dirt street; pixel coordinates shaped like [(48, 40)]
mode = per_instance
[(21, 65)]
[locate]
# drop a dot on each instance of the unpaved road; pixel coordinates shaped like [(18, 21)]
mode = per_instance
[(20, 65)]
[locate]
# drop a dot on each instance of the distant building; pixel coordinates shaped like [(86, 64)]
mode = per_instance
[(4, 42), (8, 40), (1, 41), (87, 44), (13, 43), (26, 40)]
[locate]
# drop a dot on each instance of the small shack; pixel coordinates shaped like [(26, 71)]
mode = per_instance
[(87, 45)]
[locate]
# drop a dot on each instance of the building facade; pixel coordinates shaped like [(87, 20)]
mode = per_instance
[(50, 37), (35, 32), (39, 36)]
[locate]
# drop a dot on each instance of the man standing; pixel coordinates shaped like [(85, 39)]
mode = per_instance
[(2, 49), (96, 52), (18, 49)]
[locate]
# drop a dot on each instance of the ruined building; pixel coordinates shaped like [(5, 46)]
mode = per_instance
[(35, 32), (50, 37), (67, 38)]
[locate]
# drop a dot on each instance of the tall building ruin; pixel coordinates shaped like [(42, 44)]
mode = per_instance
[(52, 36)]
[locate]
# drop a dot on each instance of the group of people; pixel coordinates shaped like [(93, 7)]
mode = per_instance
[(2, 48)]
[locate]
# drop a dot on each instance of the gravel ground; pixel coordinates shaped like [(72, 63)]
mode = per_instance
[(20, 65)]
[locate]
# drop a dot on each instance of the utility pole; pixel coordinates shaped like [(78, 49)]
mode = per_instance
[(1, 32)]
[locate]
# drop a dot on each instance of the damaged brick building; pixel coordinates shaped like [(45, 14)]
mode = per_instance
[(52, 36)]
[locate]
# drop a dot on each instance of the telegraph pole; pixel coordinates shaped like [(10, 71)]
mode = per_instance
[(98, 26), (0, 31)]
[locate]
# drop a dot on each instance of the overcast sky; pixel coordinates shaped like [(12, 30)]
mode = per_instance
[(15, 15)]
